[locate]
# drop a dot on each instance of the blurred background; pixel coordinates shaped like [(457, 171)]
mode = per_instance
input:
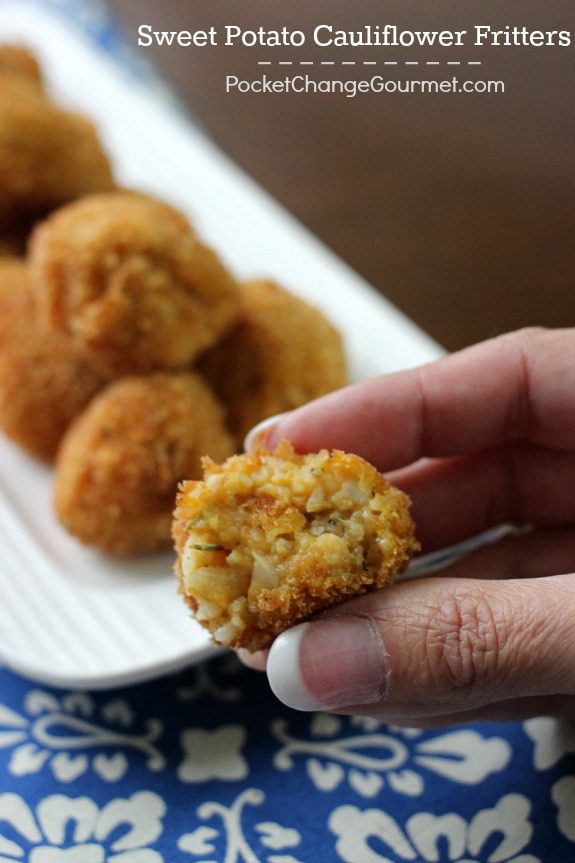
[(459, 208)]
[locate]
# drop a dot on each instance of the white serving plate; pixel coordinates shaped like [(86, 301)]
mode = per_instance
[(68, 615)]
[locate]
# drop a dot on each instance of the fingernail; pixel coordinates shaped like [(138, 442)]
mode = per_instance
[(257, 437), (330, 663), (284, 671)]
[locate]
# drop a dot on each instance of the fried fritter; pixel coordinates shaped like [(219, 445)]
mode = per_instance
[(48, 156), (281, 354), (15, 296), (44, 382), (18, 60), (126, 277), (120, 462), (267, 540)]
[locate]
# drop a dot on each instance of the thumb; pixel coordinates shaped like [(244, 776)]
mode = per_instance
[(431, 647)]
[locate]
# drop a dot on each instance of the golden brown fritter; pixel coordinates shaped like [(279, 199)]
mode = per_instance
[(18, 60), (267, 540), (44, 383), (48, 156), (283, 353), (120, 463), (15, 296), (126, 277)]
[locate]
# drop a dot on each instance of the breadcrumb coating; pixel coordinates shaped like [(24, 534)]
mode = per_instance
[(264, 541), (48, 156), (282, 354), (15, 296), (125, 276), (120, 462), (44, 382)]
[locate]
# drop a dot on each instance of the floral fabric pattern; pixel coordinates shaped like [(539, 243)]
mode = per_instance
[(207, 767)]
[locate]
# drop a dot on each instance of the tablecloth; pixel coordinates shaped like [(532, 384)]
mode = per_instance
[(208, 766)]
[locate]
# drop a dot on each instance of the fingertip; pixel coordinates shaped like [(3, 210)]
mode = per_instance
[(256, 661), (261, 435)]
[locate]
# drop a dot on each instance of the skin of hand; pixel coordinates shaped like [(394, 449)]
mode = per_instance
[(478, 438)]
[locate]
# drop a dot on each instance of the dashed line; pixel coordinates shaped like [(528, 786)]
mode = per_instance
[(370, 62)]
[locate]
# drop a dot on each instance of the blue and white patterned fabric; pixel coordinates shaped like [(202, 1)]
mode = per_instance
[(207, 766)]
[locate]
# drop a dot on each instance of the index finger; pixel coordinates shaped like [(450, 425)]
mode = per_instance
[(520, 386)]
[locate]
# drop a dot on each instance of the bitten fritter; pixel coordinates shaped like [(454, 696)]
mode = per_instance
[(44, 383), (16, 59), (267, 540), (281, 354), (120, 462), (126, 277), (47, 156)]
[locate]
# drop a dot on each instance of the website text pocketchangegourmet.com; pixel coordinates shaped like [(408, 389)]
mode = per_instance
[(266, 84)]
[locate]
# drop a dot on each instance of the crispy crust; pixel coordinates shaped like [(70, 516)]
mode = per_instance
[(282, 353), (44, 383), (126, 277), (15, 295), (267, 540), (120, 463)]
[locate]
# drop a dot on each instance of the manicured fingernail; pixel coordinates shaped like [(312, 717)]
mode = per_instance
[(257, 437), (334, 662), (284, 672)]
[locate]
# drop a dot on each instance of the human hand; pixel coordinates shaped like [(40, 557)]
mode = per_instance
[(481, 437)]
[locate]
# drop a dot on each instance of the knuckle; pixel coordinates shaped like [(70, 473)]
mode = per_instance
[(527, 338), (464, 641), (531, 332)]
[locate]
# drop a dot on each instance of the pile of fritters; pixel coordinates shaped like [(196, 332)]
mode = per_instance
[(127, 349)]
